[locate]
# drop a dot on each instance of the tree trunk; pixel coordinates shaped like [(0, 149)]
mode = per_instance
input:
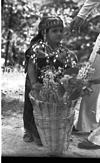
[(7, 47), (8, 36)]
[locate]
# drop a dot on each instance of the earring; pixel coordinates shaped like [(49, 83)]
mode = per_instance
[(44, 34), (45, 43)]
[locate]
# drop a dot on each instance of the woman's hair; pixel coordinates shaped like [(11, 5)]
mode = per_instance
[(37, 38), (45, 24)]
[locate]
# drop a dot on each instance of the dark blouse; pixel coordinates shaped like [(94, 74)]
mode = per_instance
[(42, 56)]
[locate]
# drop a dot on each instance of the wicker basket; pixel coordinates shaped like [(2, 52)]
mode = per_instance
[(54, 123)]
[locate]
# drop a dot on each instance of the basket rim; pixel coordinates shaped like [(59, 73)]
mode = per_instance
[(40, 101), (66, 117)]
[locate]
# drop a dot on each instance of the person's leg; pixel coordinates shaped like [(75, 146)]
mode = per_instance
[(31, 132), (28, 111), (93, 140), (94, 137), (86, 144)]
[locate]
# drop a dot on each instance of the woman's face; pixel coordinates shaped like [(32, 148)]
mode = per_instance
[(54, 35)]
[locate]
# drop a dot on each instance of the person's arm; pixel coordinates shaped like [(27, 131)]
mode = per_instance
[(28, 54), (88, 6), (95, 81), (31, 72), (35, 85)]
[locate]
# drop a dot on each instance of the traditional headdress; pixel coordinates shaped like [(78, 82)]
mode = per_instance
[(49, 22)]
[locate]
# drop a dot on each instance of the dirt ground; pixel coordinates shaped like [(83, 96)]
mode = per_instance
[(12, 98)]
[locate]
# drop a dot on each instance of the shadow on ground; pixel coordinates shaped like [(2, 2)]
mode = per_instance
[(11, 105)]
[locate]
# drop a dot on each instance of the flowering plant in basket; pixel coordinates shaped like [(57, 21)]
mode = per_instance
[(58, 87), (54, 101)]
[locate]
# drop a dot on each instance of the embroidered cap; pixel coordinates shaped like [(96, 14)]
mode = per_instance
[(49, 22)]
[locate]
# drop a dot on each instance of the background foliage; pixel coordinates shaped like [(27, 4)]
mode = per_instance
[(20, 20)]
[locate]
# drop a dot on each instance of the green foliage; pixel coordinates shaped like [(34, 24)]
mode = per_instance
[(21, 18)]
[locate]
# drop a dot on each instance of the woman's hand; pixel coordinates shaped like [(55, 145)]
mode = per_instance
[(87, 88), (95, 28), (76, 23), (87, 91)]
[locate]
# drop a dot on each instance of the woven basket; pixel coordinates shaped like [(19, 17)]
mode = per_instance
[(54, 123)]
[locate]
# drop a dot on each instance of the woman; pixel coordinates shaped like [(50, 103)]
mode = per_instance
[(93, 140), (46, 51), (88, 108)]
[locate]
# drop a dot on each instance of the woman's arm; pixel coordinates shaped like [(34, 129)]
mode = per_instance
[(95, 81), (88, 6), (31, 72)]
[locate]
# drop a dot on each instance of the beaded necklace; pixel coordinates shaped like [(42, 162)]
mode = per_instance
[(60, 53)]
